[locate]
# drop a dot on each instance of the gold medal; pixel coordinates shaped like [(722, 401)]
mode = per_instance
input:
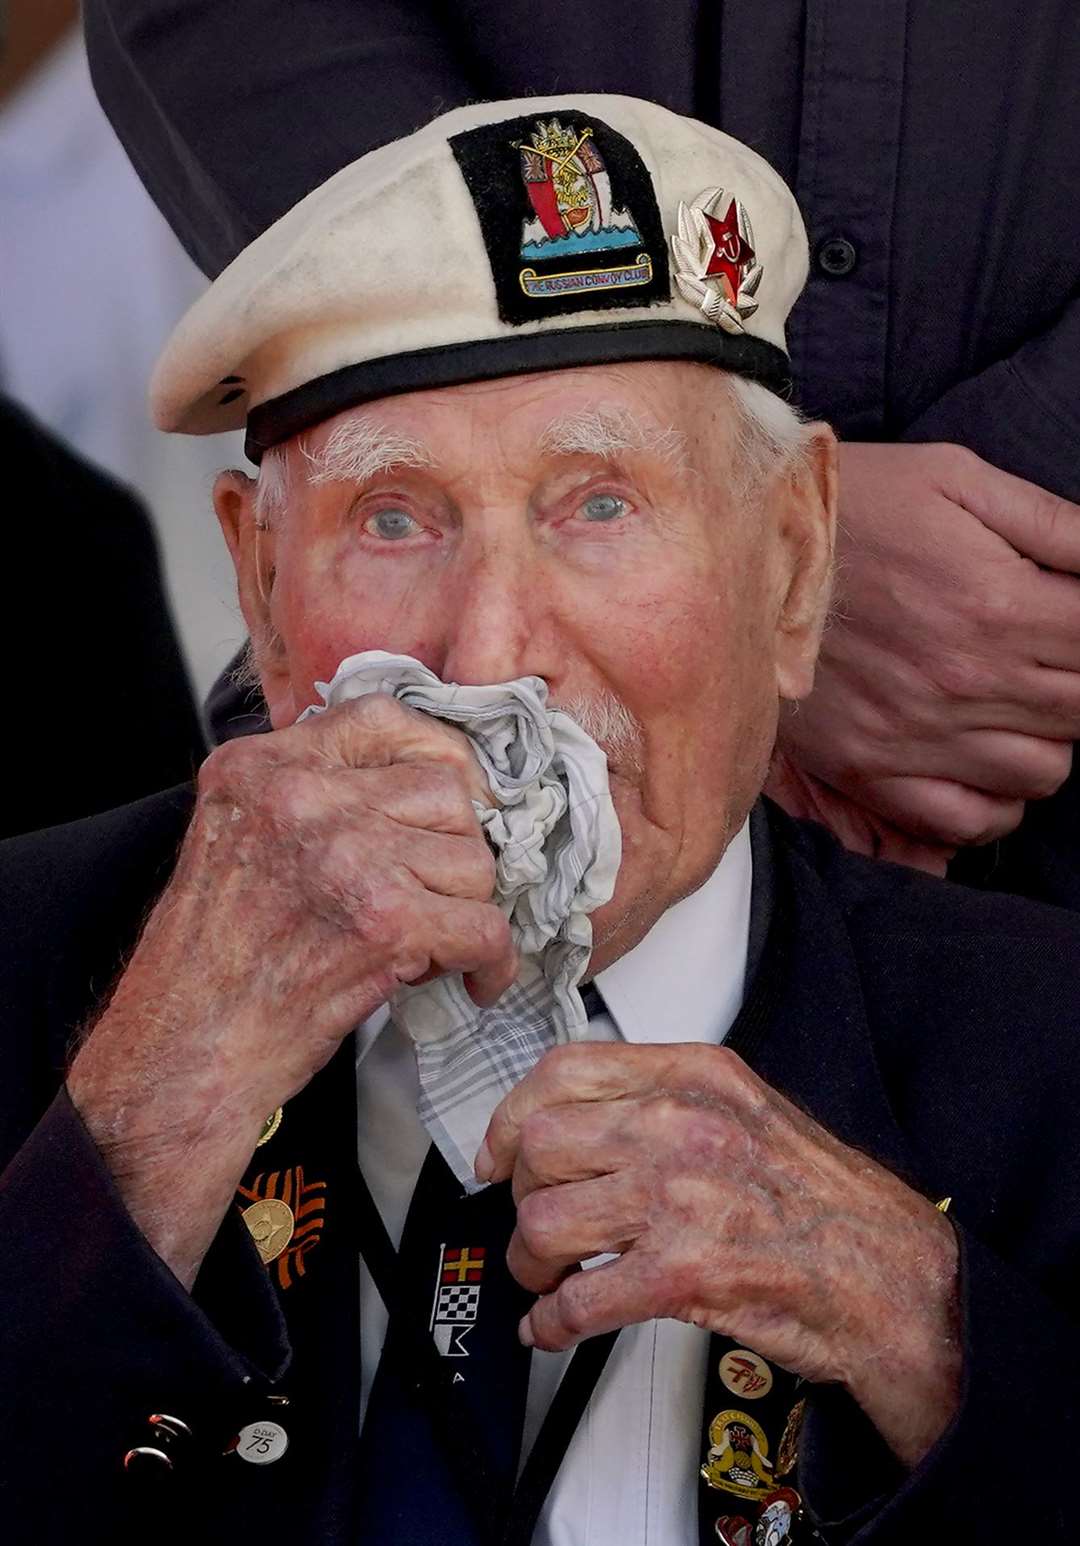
[(271, 1224), (270, 1127)]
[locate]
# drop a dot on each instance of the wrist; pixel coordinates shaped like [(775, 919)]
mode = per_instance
[(176, 1169), (905, 1365)]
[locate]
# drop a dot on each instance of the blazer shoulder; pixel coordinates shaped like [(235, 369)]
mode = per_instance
[(89, 875), (881, 899)]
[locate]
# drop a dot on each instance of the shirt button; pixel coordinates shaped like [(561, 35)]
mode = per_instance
[(836, 257)]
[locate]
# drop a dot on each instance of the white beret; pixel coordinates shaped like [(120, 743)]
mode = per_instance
[(503, 237)]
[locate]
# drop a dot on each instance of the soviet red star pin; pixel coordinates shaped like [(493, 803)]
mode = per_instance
[(716, 267), (731, 255)]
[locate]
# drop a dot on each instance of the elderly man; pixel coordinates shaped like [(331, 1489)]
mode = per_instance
[(508, 383)]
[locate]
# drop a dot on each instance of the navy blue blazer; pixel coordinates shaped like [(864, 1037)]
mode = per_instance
[(935, 1028)]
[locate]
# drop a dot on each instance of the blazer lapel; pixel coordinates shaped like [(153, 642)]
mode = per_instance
[(818, 1049)]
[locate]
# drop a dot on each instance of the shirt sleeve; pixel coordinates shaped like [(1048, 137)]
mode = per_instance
[(96, 1334), (1021, 413), (186, 89)]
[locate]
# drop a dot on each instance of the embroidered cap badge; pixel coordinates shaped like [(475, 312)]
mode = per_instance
[(568, 215), (573, 216), (715, 265)]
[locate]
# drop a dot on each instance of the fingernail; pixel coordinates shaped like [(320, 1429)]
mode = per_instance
[(525, 1332), (484, 1166)]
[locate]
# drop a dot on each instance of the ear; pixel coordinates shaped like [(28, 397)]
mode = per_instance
[(252, 549), (805, 517)]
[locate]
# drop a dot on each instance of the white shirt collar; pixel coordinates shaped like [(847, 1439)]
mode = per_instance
[(684, 981)]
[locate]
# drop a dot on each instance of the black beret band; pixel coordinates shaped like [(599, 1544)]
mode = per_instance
[(487, 359)]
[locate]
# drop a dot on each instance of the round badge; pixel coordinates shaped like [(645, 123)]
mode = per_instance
[(773, 1526), (271, 1224), (262, 1443), (745, 1374)]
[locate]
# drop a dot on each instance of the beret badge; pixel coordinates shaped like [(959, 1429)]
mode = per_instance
[(715, 266)]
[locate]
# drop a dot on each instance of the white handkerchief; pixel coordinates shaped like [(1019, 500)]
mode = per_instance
[(557, 848)]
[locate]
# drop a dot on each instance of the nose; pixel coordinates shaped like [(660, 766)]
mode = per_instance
[(499, 626)]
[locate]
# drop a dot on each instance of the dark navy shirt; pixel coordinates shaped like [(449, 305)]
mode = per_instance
[(934, 149)]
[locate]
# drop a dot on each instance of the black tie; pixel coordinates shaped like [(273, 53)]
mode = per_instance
[(440, 1446), (593, 1000), (442, 1435)]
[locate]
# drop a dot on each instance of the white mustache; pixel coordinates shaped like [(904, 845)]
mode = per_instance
[(611, 725)]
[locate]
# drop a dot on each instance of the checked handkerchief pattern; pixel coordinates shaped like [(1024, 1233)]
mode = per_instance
[(557, 848)]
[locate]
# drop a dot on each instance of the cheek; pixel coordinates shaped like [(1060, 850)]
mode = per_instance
[(672, 633), (333, 606)]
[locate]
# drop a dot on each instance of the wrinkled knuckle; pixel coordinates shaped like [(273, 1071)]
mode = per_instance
[(341, 863), (973, 826), (292, 796), (383, 923), (707, 1139), (1054, 767), (378, 713), (481, 869), (958, 677), (559, 1069), (446, 789), (224, 770), (956, 459), (457, 756), (575, 1304), (492, 932), (996, 611), (669, 1110), (537, 1222), (534, 1138), (740, 1083)]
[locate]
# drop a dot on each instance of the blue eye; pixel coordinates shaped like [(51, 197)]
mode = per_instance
[(391, 524), (603, 507)]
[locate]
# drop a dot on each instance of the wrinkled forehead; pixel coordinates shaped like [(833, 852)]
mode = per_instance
[(644, 409)]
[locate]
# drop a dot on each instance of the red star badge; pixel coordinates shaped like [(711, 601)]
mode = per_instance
[(730, 253)]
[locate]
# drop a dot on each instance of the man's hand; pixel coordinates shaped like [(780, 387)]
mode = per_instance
[(733, 1210), (948, 688), (325, 865)]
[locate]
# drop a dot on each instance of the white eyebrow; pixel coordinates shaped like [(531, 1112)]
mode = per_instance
[(608, 429), (359, 449)]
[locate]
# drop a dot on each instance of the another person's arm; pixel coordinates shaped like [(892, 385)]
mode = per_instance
[(947, 693)]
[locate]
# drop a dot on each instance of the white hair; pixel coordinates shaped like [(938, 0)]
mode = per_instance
[(769, 437), (608, 429), (356, 451), (611, 725)]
